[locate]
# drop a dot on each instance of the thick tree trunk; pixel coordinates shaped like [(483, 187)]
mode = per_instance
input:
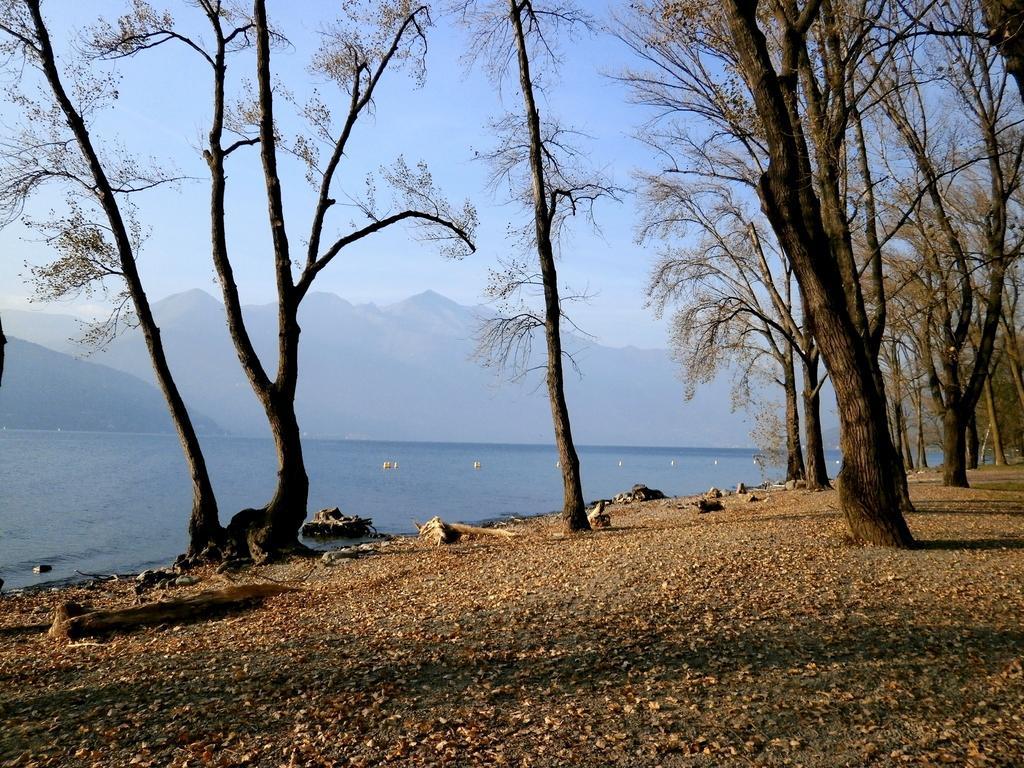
[(954, 448), (273, 530), (817, 468), (999, 456), (3, 343), (205, 532), (872, 484), (794, 454), (574, 515)]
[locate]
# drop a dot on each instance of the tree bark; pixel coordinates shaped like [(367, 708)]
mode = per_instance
[(817, 467), (794, 453), (973, 444), (206, 536), (901, 437), (574, 516), (872, 484), (998, 454), (1004, 19), (954, 447), (922, 446)]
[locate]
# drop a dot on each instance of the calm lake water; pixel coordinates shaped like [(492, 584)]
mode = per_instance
[(106, 503)]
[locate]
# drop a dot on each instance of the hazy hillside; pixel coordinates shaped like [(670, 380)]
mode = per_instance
[(43, 389), (405, 372)]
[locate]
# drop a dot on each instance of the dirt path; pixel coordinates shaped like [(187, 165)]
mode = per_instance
[(752, 636)]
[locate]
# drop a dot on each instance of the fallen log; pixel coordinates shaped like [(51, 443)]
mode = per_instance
[(71, 621), (440, 532)]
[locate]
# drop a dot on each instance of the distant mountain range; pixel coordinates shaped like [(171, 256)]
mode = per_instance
[(43, 389), (400, 372)]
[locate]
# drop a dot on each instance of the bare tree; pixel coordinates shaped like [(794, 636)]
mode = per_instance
[(969, 164), (537, 161), (732, 303), (774, 96), (804, 95), (96, 239), (357, 52)]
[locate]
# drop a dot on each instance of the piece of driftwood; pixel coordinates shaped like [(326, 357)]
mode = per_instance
[(597, 516), (709, 505), (71, 621), (332, 524), (440, 532), (638, 492)]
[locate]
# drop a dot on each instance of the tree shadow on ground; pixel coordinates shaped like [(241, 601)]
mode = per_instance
[(970, 507), (953, 545)]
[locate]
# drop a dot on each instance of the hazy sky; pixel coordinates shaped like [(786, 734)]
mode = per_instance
[(163, 113)]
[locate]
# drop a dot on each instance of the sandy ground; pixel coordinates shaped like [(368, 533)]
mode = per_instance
[(751, 636)]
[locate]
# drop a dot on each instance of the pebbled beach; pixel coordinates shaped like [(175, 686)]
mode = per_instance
[(754, 635)]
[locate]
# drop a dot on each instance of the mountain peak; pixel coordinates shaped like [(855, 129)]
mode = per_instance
[(428, 299), (193, 298)]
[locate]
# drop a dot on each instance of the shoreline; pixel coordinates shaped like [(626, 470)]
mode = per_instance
[(92, 580)]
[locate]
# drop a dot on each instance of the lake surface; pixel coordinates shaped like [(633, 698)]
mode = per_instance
[(112, 503)]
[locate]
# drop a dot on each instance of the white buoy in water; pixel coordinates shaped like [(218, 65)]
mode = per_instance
[(476, 465), (620, 463), (395, 465), (558, 465), (387, 465), (673, 462), (716, 462)]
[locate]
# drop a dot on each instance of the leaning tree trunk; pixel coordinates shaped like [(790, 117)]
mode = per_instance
[(872, 484), (998, 455), (574, 516), (273, 530), (205, 532), (817, 467), (794, 454)]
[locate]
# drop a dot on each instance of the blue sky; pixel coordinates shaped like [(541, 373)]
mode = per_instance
[(162, 112)]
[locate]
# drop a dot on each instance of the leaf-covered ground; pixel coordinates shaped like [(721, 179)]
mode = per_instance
[(752, 636)]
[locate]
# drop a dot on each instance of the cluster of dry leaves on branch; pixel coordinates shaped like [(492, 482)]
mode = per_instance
[(751, 636)]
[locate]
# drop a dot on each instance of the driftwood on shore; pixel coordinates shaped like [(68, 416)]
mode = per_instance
[(71, 621), (638, 492), (330, 523), (439, 532)]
